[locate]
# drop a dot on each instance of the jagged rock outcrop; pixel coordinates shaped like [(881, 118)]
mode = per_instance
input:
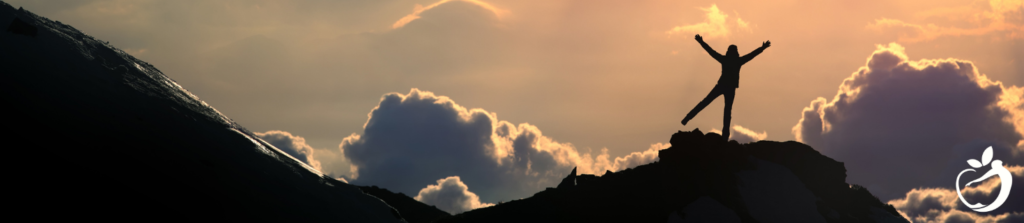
[(104, 135), (569, 181), (412, 210), (703, 178)]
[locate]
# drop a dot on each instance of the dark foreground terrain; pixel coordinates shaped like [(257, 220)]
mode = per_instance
[(702, 178), (102, 135)]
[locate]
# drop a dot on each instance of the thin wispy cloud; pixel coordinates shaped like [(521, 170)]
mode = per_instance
[(743, 135), (716, 25), (420, 9), (999, 18)]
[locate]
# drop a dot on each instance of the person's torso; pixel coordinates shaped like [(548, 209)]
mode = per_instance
[(730, 72)]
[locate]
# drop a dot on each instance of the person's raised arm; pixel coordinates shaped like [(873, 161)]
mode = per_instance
[(753, 54), (713, 53)]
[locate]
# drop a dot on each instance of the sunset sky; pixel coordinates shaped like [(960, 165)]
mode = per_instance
[(590, 75)]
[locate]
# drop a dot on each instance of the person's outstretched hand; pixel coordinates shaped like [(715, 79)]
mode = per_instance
[(700, 39), (766, 44)]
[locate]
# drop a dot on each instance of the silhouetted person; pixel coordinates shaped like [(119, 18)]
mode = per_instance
[(729, 81)]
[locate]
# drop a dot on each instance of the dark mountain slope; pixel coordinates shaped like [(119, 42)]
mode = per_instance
[(101, 134), (703, 178), (412, 210)]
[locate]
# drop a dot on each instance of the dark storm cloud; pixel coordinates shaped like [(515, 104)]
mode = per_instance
[(896, 123), (451, 195), (411, 140)]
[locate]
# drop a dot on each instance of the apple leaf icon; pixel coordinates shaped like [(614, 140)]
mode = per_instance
[(986, 156), (974, 163)]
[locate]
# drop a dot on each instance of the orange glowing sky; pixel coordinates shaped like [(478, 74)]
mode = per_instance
[(597, 74)]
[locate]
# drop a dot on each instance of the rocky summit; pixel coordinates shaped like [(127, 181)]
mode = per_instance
[(703, 178)]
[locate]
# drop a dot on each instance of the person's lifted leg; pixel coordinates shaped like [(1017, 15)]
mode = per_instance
[(715, 92)]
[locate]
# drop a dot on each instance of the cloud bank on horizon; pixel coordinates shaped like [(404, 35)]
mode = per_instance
[(898, 123), (294, 146), (944, 205), (421, 143), (743, 135), (411, 140), (333, 163), (451, 195)]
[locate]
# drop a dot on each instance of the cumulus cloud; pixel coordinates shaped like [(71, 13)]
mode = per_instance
[(1002, 18), (897, 123), (921, 202), (943, 205), (410, 140), (743, 135), (716, 25), (420, 9), (451, 195), (331, 163), (1016, 170), (293, 145), (634, 159)]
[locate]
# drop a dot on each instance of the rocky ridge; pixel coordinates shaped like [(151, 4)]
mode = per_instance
[(703, 178)]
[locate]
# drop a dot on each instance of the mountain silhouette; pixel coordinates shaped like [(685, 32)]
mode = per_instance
[(703, 178), (101, 134), (412, 210)]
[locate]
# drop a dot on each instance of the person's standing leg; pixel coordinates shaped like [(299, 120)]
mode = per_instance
[(729, 95), (704, 103)]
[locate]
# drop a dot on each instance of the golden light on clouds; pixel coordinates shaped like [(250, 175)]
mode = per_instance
[(1016, 170), (941, 204), (420, 9), (714, 26), (1012, 100), (1004, 18)]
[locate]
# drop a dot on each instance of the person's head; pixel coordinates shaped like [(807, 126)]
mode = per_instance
[(733, 52)]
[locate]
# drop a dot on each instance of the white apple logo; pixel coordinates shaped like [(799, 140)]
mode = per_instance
[(997, 169)]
